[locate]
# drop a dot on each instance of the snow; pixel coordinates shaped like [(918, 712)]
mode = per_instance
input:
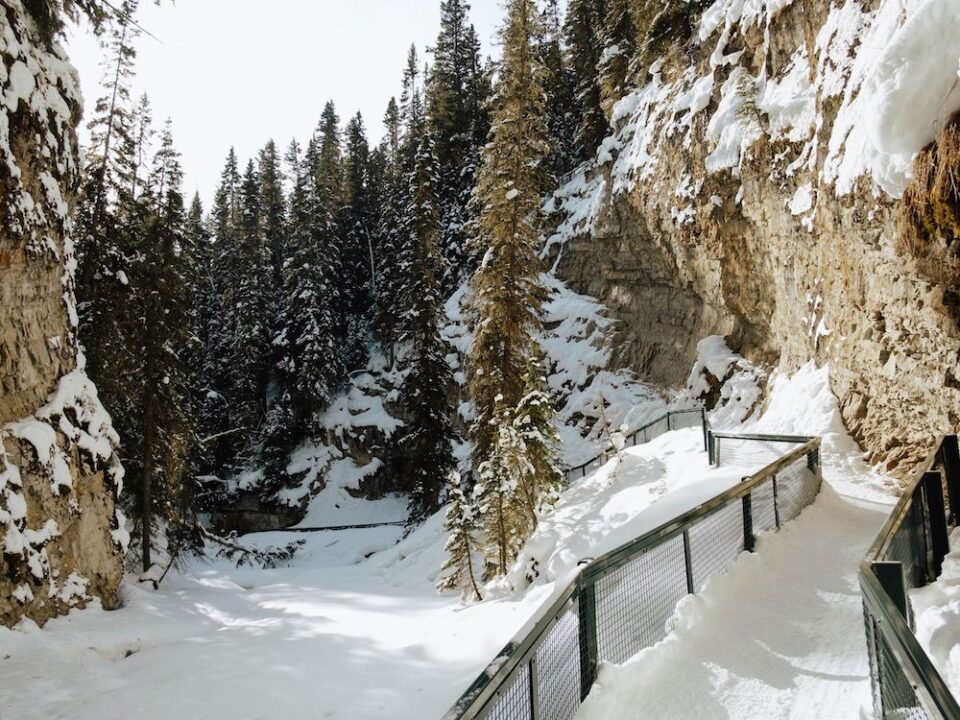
[(936, 612)]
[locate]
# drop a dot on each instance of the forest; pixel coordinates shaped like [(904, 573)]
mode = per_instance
[(218, 336)]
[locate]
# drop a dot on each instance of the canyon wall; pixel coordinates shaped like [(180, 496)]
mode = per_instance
[(60, 533), (751, 189)]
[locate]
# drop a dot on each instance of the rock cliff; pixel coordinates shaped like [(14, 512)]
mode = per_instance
[(751, 188), (60, 534)]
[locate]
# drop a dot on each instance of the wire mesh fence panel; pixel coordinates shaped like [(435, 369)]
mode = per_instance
[(797, 487), (558, 668), (514, 703), (635, 601), (908, 545), (750, 454), (763, 508), (680, 420), (654, 430), (898, 699), (715, 543)]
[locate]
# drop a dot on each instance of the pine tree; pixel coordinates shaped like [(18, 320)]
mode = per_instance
[(355, 223), (462, 524), (167, 423), (507, 290), (312, 367), (248, 351), (424, 444), (619, 49), (562, 119), (393, 246), (584, 27), (455, 95)]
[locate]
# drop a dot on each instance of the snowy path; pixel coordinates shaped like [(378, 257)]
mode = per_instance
[(780, 636)]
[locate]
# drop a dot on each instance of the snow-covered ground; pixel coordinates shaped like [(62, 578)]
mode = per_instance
[(936, 610), (354, 628)]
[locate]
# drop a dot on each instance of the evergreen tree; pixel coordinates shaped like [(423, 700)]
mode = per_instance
[(562, 119), (393, 246), (619, 49), (584, 26), (248, 351), (356, 221), (455, 95), (425, 442), (507, 290), (162, 276), (462, 524), (312, 367), (103, 265)]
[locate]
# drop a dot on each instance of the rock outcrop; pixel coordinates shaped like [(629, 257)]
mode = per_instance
[(751, 189), (60, 534)]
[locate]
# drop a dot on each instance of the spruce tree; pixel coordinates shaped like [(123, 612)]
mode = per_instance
[(424, 444), (507, 294), (312, 366), (619, 49), (462, 524), (392, 256), (584, 26), (562, 118), (248, 350), (455, 95), (358, 243)]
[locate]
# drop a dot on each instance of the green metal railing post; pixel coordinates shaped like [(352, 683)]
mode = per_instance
[(688, 563), (669, 415), (749, 540), (894, 582), (706, 430), (951, 467), (937, 519), (534, 684), (588, 638), (776, 501)]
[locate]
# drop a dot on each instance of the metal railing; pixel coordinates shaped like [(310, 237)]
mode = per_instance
[(907, 554), (669, 421), (623, 601)]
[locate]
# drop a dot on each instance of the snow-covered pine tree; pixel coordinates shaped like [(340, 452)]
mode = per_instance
[(619, 50), (463, 525), (562, 119), (106, 182), (224, 438), (507, 293), (356, 220), (424, 443), (538, 463), (312, 366), (167, 425), (456, 92), (393, 245), (247, 313), (583, 28)]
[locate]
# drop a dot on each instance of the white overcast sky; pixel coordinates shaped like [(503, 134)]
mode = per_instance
[(240, 72)]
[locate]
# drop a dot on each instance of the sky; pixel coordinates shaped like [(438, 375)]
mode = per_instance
[(240, 72)]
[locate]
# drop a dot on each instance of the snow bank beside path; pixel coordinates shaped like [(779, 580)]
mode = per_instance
[(936, 609)]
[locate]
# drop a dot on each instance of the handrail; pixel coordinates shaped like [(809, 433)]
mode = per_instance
[(884, 588), (512, 658)]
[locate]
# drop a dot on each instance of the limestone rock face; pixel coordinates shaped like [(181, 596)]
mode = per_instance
[(730, 201), (60, 535)]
